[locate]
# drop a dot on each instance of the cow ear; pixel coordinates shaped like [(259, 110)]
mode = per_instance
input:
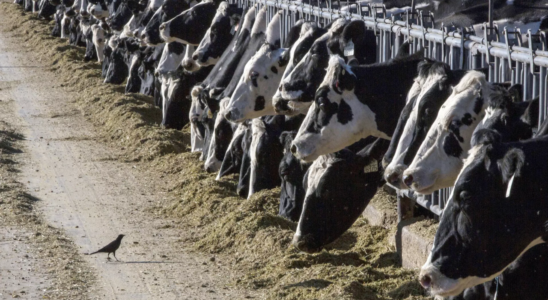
[(512, 163), (284, 59), (516, 92), (355, 30)]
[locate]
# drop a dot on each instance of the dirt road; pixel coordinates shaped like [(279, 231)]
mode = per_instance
[(82, 189)]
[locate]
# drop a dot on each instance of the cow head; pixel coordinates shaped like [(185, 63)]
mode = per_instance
[(253, 95), (167, 11), (232, 160), (326, 213), (292, 172), (265, 153), (337, 118), (172, 56), (98, 41), (439, 158), (222, 135), (218, 36), (197, 129), (506, 120), (434, 85), (298, 88), (487, 224), (307, 33), (123, 14), (198, 18), (188, 63), (98, 9)]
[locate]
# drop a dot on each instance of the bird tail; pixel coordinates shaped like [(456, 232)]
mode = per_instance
[(92, 253)]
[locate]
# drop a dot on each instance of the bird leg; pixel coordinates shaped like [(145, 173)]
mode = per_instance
[(114, 253)]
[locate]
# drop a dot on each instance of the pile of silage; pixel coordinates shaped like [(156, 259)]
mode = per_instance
[(360, 265)]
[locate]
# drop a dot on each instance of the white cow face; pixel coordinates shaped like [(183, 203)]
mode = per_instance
[(337, 118), (439, 158), (253, 95), (98, 41), (194, 115)]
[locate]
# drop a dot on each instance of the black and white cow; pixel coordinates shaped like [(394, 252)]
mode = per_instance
[(98, 9), (266, 152), (218, 36), (439, 158), (99, 40), (58, 17), (198, 18), (432, 87), (261, 76), (471, 247), (232, 160), (308, 33), (297, 90), (126, 11), (525, 276), (167, 11), (221, 138), (507, 120), (47, 10), (337, 192), (120, 60), (353, 103)]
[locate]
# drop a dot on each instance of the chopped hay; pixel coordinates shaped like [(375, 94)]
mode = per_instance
[(359, 265)]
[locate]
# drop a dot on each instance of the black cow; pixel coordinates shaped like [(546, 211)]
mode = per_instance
[(292, 172), (232, 161), (525, 276), (58, 17), (471, 247), (47, 10), (337, 192)]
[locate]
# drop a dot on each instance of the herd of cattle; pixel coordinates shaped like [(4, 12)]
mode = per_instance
[(311, 114)]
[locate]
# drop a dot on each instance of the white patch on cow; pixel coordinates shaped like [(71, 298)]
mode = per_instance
[(396, 167), (510, 184), (97, 11), (205, 43), (273, 30), (243, 101), (188, 63), (314, 175), (131, 26), (132, 65), (240, 130), (444, 286), (432, 168), (196, 111), (98, 41), (295, 95), (212, 164), (258, 130), (76, 6), (64, 25), (169, 61), (335, 136), (259, 26)]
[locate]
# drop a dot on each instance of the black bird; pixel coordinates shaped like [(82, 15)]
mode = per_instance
[(110, 248)]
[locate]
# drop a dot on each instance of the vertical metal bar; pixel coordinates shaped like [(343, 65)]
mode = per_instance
[(542, 96)]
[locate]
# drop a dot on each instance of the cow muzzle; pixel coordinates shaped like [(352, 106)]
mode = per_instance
[(306, 243)]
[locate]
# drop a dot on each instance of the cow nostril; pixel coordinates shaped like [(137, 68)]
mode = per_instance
[(393, 178), (408, 180), (163, 26), (228, 114), (195, 57), (293, 149), (280, 88), (425, 281)]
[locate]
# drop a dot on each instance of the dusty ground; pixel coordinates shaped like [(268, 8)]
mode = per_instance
[(98, 165), (80, 189)]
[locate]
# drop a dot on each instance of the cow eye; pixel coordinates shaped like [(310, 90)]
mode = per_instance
[(253, 75), (464, 195), (427, 111), (322, 102)]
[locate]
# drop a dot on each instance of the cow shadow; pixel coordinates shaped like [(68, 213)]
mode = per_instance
[(389, 259), (311, 283), (345, 242), (409, 288)]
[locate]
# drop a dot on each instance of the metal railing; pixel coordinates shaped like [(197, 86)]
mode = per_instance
[(501, 51)]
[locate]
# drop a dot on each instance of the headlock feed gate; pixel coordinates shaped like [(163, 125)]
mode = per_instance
[(459, 48)]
